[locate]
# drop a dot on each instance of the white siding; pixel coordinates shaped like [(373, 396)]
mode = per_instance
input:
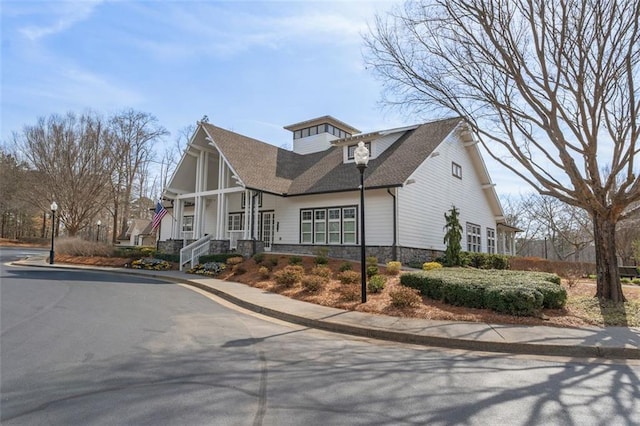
[(378, 146), (422, 204), (313, 143), (378, 214)]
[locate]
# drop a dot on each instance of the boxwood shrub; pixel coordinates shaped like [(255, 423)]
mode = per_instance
[(512, 292), (219, 257)]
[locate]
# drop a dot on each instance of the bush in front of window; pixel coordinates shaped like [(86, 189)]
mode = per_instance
[(484, 260), (289, 275)]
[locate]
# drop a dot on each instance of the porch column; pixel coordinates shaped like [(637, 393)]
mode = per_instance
[(247, 214), (197, 218), (179, 212)]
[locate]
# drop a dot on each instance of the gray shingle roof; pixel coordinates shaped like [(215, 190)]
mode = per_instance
[(265, 167)]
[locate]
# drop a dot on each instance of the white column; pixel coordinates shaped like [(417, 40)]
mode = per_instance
[(179, 212), (247, 214)]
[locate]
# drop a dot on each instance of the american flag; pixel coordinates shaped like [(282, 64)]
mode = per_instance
[(158, 215)]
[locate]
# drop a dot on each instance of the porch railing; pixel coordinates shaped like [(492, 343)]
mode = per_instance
[(234, 236), (191, 253)]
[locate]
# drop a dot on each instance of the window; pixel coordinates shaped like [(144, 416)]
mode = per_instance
[(306, 227), (187, 224), (352, 149), (491, 240), (320, 226), (332, 225), (236, 222), (243, 200), (320, 128), (349, 225), (456, 170), (473, 238)]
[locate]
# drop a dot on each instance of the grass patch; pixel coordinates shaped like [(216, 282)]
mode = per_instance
[(591, 310)]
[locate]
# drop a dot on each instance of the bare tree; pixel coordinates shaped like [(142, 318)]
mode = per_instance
[(568, 228), (16, 211), (134, 135), (71, 156), (549, 86)]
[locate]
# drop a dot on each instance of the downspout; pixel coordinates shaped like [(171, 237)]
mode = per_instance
[(394, 245)]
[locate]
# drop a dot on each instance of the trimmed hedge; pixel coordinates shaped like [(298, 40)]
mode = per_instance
[(219, 258), (511, 292)]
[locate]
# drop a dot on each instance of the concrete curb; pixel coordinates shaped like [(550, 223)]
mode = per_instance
[(337, 326)]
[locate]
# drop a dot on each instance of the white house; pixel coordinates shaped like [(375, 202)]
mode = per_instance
[(229, 190)]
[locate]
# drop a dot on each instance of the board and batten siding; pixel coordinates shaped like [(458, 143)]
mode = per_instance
[(378, 214), (422, 205)]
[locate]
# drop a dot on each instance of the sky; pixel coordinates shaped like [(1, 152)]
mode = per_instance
[(250, 66)]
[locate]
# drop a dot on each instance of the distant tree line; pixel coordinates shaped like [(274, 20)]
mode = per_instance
[(95, 168)]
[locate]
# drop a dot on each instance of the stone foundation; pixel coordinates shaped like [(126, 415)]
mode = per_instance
[(247, 248), (219, 246), (384, 254)]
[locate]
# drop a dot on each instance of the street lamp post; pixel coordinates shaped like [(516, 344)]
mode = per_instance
[(361, 157), (98, 233), (54, 207)]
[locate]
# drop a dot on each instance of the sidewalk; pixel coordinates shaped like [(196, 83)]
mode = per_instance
[(587, 342)]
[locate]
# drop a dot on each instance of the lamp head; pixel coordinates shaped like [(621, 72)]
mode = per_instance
[(361, 155), (54, 206), (99, 222)]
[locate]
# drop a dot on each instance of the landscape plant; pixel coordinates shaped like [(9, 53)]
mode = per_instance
[(452, 238)]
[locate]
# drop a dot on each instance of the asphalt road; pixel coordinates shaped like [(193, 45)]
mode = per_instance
[(90, 348)]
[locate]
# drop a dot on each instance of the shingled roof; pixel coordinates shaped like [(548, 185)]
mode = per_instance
[(265, 167)]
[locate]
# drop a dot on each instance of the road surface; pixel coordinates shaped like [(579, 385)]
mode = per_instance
[(92, 348)]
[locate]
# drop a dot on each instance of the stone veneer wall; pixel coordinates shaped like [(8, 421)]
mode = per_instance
[(170, 246), (383, 253), (247, 248), (174, 246), (219, 246)]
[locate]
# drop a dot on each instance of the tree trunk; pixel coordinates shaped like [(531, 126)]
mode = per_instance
[(608, 279)]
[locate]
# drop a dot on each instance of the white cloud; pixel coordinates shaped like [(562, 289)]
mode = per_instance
[(215, 29), (63, 16)]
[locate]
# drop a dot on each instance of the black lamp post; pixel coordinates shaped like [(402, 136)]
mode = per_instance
[(361, 157), (98, 233), (54, 207)]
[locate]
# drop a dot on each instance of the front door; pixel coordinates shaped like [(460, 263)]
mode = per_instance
[(266, 233)]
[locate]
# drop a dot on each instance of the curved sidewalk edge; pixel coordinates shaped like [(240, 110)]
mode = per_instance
[(587, 342)]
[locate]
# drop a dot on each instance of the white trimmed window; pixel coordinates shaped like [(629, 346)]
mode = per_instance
[(320, 227), (473, 238), (351, 149), (334, 226), (456, 170), (306, 226), (349, 225), (187, 224), (235, 222), (331, 225), (491, 240)]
